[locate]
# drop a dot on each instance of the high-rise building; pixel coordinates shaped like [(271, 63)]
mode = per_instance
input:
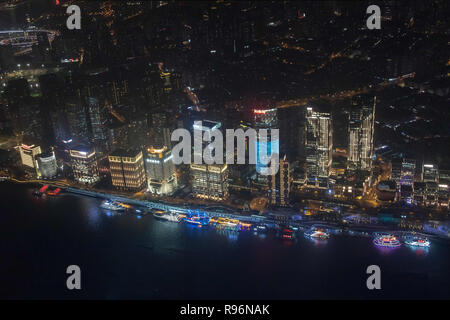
[(47, 167), (265, 118), (430, 173), (28, 154), (160, 171), (210, 181), (77, 120), (160, 129), (127, 169), (279, 185), (360, 132), (98, 123), (408, 172), (318, 147), (84, 164)]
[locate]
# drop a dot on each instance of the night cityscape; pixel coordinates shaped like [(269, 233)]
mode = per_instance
[(122, 124)]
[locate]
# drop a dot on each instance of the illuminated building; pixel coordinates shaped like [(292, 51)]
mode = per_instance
[(28, 154), (160, 171), (98, 119), (279, 185), (84, 164), (430, 173), (160, 129), (127, 169), (360, 131), (47, 167), (210, 181), (443, 194), (319, 146), (77, 119), (265, 118), (408, 172), (117, 135)]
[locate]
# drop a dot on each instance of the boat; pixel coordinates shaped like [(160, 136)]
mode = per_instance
[(41, 191), (112, 205), (197, 220), (287, 233), (387, 241), (319, 234), (417, 242), (54, 192), (259, 227), (225, 223), (167, 216)]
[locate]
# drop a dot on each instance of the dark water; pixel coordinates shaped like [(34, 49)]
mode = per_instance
[(124, 257)]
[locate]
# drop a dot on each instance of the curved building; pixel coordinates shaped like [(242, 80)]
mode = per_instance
[(47, 167)]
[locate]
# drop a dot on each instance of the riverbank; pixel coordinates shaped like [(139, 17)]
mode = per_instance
[(236, 215)]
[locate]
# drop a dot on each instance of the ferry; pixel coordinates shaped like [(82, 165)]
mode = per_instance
[(225, 222), (197, 220), (167, 216), (317, 234), (287, 233), (112, 205), (417, 242), (386, 240), (41, 191), (54, 192), (259, 228)]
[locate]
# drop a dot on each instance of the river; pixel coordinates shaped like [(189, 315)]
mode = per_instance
[(129, 257)]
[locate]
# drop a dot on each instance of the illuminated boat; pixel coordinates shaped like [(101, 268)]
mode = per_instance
[(54, 192), (418, 242), (41, 191), (197, 220), (287, 233), (317, 234), (386, 240), (112, 205), (225, 223), (259, 228), (167, 216)]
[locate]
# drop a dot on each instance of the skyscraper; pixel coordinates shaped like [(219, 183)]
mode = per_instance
[(266, 119), (47, 167), (160, 171), (209, 181), (98, 123), (360, 133), (318, 147), (127, 169), (84, 164), (279, 185), (28, 154)]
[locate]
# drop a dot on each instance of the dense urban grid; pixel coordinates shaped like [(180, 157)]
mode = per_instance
[(363, 114)]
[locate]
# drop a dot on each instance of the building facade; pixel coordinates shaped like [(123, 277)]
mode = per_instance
[(84, 164), (210, 181), (360, 133), (127, 169), (318, 147), (161, 177), (28, 154), (279, 185), (46, 165)]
